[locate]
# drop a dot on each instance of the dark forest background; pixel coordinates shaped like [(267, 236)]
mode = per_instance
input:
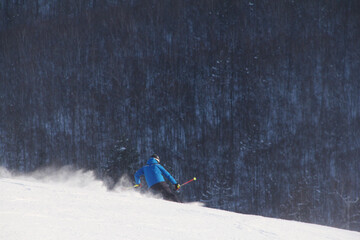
[(260, 100)]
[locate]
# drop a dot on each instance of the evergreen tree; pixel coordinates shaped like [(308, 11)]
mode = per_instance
[(123, 160)]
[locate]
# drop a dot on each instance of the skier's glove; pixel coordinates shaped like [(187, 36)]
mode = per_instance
[(177, 187), (137, 185)]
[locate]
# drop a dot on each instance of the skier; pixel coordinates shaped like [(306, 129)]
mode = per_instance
[(154, 173)]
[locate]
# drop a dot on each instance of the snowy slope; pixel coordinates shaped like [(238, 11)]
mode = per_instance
[(73, 205)]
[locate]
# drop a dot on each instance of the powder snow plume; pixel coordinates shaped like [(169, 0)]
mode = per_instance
[(65, 176)]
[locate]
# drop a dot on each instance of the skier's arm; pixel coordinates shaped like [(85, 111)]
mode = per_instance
[(167, 174), (138, 174)]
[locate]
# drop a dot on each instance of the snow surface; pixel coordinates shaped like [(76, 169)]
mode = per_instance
[(72, 205)]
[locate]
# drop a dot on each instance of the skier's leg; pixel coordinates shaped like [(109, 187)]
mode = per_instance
[(163, 188), (168, 194)]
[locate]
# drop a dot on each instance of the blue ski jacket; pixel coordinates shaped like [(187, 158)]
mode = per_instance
[(154, 173)]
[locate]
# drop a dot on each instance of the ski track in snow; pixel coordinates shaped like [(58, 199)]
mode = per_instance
[(75, 206)]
